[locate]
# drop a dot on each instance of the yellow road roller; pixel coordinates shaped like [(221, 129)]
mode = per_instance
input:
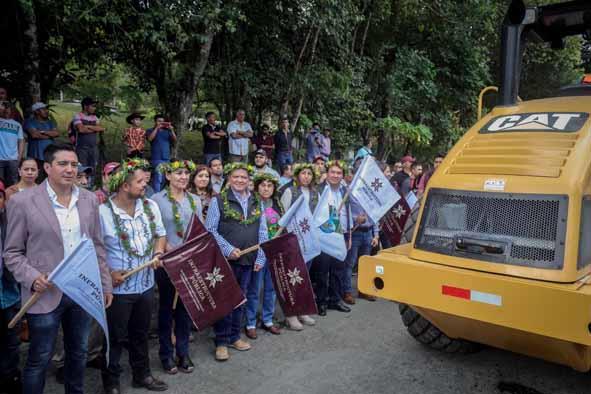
[(501, 250)]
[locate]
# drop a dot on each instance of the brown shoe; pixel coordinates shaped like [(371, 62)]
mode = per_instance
[(348, 298), (221, 353), (241, 345), (367, 297), (273, 329), (251, 333)]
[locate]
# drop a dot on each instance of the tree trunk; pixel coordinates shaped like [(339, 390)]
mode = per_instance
[(30, 48), (362, 48), (285, 101), (177, 89), (296, 116)]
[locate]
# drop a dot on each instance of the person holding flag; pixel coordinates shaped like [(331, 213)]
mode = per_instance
[(177, 206), (133, 234), (235, 220), (265, 186), (332, 218), (46, 223)]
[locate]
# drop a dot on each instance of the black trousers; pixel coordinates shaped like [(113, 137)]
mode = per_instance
[(9, 351), (129, 321), (328, 274)]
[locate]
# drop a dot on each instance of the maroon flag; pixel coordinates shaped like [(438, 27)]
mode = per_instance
[(194, 229), (204, 280), (290, 275), (392, 224)]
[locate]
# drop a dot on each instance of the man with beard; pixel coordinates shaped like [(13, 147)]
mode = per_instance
[(260, 164), (133, 234)]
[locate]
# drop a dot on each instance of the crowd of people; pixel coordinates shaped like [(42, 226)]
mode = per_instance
[(48, 203)]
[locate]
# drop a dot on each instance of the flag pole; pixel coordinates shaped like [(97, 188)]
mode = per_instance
[(256, 247), (24, 309), (139, 268)]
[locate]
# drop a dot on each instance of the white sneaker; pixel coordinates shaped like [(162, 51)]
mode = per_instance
[(293, 323), (307, 320)]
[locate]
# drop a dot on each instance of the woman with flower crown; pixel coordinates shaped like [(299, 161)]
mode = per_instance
[(177, 206), (234, 219), (265, 185), (305, 178)]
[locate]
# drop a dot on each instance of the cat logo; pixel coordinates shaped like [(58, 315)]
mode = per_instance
[(537, 121)]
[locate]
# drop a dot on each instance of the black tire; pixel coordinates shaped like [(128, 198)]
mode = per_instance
[(426, 333), (409, 226)]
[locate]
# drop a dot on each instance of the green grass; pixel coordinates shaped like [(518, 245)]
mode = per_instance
[(190, 145)]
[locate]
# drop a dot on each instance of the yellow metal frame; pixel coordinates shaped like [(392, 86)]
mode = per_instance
[(481, 96)]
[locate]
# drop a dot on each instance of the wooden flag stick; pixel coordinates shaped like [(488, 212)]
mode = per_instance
[(344, 200), (24, 309), (175, 301), (256, 247), (139, 268)]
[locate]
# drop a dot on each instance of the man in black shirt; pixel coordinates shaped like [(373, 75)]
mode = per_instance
[(283, 139), (401, 180), (213, 136)]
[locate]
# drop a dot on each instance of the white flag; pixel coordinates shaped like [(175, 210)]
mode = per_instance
[(411, 199), (298, 220), (373, 190), (78, 276), (328, 227)]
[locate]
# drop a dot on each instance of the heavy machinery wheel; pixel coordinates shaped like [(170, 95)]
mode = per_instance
[(426, 333)]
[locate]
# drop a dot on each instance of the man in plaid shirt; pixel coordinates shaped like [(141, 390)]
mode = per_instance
[(135, 136)]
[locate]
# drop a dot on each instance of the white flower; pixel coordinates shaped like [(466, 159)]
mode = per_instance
[(214, 277), (294, 277)]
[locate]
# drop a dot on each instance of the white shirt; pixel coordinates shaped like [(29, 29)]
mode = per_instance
[(138, 230), (68, 219), (238, 146)]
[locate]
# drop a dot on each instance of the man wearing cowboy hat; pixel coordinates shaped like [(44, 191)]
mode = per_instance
[(41, 131), (134, 137)]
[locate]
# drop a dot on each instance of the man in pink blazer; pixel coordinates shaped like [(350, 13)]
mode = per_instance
[(45, 224)]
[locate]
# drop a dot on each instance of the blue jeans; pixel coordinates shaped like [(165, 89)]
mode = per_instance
[(43, 330), (210, 156), (158, 178), (227, 329), (263, 277), (360, 246), (284, 158), (166, 316)]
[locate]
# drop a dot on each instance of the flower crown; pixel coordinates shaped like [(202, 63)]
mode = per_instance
[(167, 168), (297, 168), (258, 178), (228, 168), (127, 167), (337, 163)]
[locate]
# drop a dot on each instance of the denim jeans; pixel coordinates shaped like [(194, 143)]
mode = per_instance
[(128, 318), (157, 177), (360, 246), (284, 158), (328, 274), (258, 279), (166, 316), (43, 330), (227, 329), (210, 156), (9, 345)]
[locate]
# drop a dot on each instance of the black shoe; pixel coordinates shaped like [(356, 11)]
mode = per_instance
[(113, 390), (96, 363), (59, 375), (11, 384), (339, 306), (169, 366), (322, 310), (185, 364), (150, 383)]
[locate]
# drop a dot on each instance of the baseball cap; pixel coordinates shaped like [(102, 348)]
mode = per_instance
[(260, 152), (110, 167), (318, 158), (85, 169), (88, 101), (407, 158), (38, 105)]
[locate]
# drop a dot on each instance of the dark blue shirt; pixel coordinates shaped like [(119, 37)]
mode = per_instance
[(160, 146), (37, 146)]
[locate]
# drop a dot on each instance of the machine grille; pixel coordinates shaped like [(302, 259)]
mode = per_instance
[(517, 229)]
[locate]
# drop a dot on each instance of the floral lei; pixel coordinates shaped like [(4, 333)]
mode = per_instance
[(176, 216), (228, 168), (127, 167), (167, 168), (124, 237), (238, 216), (337, 163)]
